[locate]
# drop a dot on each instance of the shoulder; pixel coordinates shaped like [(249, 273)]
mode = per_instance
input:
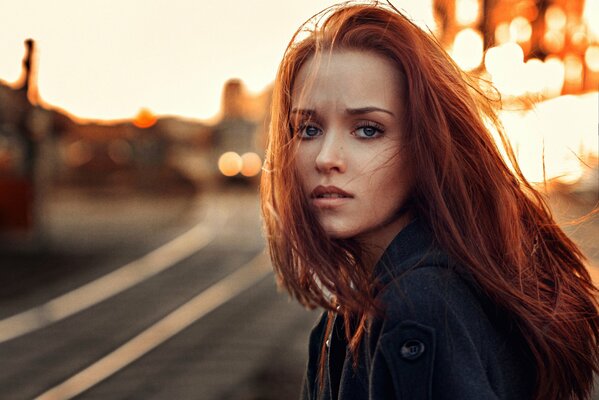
[(427, 292), (436, 298), (436, 330), (417, 280)]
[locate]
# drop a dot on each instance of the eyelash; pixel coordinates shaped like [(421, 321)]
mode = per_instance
[(379, 130), (299, 130)]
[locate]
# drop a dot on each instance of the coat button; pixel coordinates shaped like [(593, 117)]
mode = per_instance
[(412, 349)]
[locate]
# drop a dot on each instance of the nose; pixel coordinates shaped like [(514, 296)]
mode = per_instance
[(331, 157)]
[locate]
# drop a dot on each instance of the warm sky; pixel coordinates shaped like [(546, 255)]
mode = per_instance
[(105, 59)]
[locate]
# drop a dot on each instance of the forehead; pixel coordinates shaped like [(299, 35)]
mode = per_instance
[(348, 78)]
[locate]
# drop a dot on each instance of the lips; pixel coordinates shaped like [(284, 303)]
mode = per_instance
[(329, 192)]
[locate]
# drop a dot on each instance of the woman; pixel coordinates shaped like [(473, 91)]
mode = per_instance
[(387, 203)]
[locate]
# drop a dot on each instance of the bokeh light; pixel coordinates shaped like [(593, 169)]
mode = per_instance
[(535, 76), (555, 18), (520, 29), (590, 14), (502, 33), (554, 82), (554, 41), (144, 119), (120, 151), (230, 163), (77, 153), (252, 164), (468, 49), (467, 12), (591, 58), (505, 64), (573, 68)]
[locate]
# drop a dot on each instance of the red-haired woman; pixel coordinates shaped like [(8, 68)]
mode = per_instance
[(387, 203)]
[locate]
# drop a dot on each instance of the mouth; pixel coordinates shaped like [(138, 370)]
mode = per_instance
[(330, 192)]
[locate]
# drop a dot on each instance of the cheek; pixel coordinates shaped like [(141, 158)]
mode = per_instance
[(301, 161), (381, 159), (303, 165), (391, 182), (305, 157)]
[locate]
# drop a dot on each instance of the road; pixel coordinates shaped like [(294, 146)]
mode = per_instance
[(252, 346), (132, 298)]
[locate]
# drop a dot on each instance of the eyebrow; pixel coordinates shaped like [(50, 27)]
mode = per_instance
[(303, 111), (350, 111), (367, 110)]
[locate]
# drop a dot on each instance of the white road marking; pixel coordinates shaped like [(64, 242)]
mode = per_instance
[(190, 312), (112, 283)]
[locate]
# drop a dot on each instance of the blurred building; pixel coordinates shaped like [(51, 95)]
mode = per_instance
[(554, 44), (42, 146), (542, 56), (239, 135), (24, 128)]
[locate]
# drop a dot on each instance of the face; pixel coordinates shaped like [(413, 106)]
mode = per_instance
[(347, 117)]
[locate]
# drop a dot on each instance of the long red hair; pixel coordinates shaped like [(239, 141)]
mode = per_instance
[(483, 213)]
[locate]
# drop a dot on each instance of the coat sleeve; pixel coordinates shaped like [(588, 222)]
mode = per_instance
[(433, 342)]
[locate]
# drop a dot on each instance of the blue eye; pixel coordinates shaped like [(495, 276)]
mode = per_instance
[(368, 131), (308, 131)]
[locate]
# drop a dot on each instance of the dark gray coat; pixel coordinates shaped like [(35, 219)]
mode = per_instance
[(438, 339)]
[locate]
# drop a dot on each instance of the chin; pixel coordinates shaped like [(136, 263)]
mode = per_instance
[(336, 233), (338, 228)]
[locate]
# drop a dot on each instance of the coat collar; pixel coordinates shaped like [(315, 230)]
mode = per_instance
[(413, 246)]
